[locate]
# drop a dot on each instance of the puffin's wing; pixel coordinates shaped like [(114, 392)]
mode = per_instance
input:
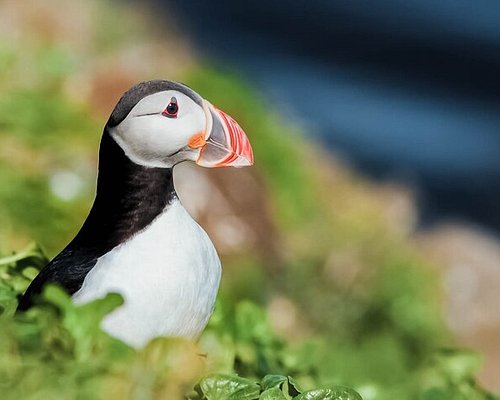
[(68, 270)]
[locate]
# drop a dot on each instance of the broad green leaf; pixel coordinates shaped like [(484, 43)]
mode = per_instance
[(336, 393), (230, 387), (272, 381), (273, 394), (287, 385)]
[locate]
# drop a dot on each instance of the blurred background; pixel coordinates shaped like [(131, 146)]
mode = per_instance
[(402, 90), (371, 217)]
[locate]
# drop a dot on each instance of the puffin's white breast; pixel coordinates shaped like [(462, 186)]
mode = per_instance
[(168, 275)]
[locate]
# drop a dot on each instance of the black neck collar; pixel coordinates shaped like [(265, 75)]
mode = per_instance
[(128, 198)]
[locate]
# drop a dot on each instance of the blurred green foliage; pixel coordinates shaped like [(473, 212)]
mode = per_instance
[(41, 133), (56, 350)]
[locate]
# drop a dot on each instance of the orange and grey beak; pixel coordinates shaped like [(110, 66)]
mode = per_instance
[(223, 144)]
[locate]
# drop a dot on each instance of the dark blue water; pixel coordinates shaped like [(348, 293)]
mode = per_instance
[(402, 89)]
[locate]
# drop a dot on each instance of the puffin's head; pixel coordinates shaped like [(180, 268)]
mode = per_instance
[(162, 123)]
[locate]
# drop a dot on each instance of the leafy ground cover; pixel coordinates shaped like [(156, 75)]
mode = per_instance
[(57, 351)]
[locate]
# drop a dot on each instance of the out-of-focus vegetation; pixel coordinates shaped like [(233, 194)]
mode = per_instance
[(56, 350), (345, 304)]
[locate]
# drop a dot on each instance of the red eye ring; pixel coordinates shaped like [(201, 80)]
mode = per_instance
[(171, 109)]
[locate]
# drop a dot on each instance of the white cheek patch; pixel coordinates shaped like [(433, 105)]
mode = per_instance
[(151, 139)]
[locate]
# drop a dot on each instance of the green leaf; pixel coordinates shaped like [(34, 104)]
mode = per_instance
[(33, 250), (16, 272), (273, 394), (336, 393), (251, 323), (287, 385), (8, 299), (222, 387), (57, 296), (272, 381), (83, 322), (293, 387), (437, 394), (458, 365)]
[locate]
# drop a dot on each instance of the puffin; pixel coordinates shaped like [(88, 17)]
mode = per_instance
[(138, 240)]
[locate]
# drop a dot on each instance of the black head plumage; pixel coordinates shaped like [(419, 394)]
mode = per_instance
[(136, 93)]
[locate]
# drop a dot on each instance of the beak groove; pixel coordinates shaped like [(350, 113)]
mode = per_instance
[(226, 143)]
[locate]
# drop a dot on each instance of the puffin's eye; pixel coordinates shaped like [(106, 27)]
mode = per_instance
[(172, 109)]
